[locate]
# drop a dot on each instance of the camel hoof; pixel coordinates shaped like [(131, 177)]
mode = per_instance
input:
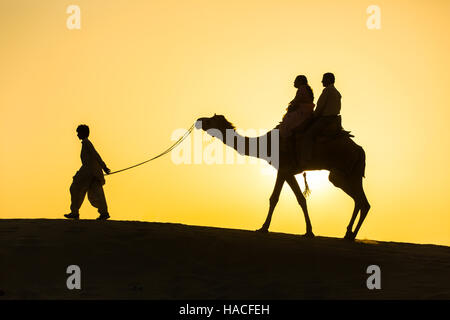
[(309, 234), (350, 236), (263, 230)]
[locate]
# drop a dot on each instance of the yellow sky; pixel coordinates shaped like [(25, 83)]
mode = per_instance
[(138, 70)]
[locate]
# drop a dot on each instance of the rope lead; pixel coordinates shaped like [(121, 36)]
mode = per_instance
[(159, 155)]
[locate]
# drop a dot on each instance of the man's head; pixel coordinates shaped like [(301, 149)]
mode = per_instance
[(300, 81), (82, 131), (328, 78)]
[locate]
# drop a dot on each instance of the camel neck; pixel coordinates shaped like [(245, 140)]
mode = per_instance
[(264, 147)]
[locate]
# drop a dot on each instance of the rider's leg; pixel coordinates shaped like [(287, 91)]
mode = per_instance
[(308, 139)]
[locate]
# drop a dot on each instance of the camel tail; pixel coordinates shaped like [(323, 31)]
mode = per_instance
[(307, 191)]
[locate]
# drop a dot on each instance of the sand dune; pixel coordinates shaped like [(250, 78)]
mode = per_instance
[(139, 260)]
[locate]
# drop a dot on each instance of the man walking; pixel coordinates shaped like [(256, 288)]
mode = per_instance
[(89, 179)]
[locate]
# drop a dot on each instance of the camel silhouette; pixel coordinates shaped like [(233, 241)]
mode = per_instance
[(335, 152)]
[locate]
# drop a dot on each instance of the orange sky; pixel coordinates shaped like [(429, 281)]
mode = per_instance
[(137, 71)]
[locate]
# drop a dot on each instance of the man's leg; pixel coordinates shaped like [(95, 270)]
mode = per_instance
[(97, 198), (78, 190)]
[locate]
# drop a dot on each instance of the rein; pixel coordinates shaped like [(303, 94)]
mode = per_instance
[(181, 139)]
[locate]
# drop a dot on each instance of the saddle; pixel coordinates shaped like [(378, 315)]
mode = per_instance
[(333, 131)]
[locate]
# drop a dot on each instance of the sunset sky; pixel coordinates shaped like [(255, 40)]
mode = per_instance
[(137, 71)]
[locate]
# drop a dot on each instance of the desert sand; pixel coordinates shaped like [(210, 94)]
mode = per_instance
[(143, 260)]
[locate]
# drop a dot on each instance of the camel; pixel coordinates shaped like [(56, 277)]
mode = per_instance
[(339, 154)]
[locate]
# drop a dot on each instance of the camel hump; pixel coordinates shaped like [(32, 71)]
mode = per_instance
[(335, 134)]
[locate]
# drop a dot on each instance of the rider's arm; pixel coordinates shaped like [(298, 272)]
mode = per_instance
[(302, 95)]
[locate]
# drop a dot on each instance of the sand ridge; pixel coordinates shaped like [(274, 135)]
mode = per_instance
[(148, 260)]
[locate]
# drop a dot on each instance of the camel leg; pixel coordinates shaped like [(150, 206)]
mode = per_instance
[(302, 202), (349, 233), (365, 207), (353, 187), (273, 202)]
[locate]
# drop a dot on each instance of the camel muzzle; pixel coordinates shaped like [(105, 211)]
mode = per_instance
[(198, 123)]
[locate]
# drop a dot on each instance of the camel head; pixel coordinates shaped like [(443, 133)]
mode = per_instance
[(215, 122)]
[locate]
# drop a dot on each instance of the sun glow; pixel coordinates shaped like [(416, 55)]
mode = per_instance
[(316, 179), (136, 73)]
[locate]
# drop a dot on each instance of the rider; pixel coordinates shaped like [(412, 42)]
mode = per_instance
[(328, 108), (299, 109)]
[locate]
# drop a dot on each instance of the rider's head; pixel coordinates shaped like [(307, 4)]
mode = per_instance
[(328, 78), (300, 81), (82, 131)]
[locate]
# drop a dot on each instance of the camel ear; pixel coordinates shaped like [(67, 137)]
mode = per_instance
[(214, 114)]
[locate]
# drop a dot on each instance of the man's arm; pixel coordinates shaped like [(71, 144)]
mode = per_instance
[(321, 103), (99, 159)]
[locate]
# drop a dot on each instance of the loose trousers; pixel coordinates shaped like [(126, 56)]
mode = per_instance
[(94, 189)]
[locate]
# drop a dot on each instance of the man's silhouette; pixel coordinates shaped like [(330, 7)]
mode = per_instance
[(89, 179), (300, 109), (328, 108)]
